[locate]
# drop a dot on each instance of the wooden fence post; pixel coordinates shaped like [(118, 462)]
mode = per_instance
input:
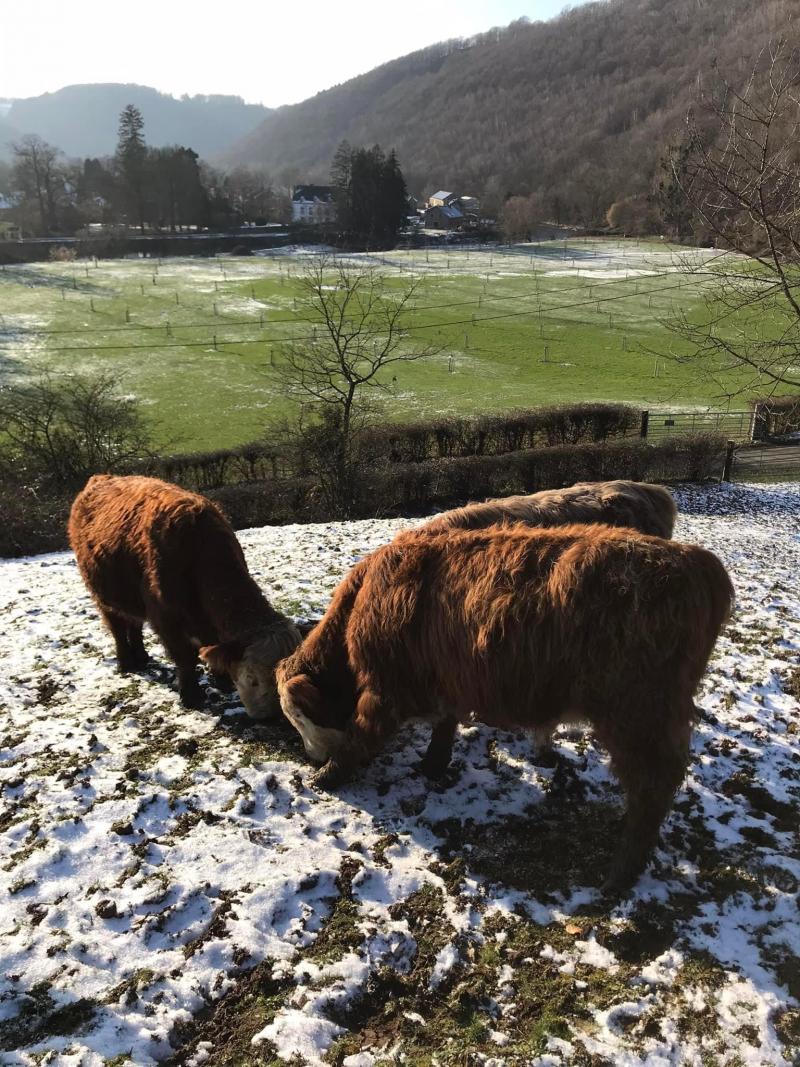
[(728, 466), (645, 423)]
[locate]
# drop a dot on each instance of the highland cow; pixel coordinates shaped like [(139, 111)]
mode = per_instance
[(647, 508), (152, 552), (518, 627)]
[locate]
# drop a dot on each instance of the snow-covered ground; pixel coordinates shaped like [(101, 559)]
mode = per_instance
[(172, 889)]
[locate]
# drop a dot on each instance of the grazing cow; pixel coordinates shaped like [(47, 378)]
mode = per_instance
[(647, 508), (152, 552), (521, 628)]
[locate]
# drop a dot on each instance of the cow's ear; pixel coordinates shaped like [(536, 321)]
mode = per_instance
[(305, 696), (222, 658)]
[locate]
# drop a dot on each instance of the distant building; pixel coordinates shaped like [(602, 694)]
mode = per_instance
[(450, 211), (313, 204), (444, 218), (9, 230), (441, 199)]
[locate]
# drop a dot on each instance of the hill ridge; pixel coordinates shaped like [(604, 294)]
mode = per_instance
[(583, 104)]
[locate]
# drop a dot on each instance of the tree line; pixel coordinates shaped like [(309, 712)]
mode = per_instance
[(162, 188), (170, 188)]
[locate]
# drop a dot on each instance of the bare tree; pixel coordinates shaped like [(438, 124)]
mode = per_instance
[(38, 175), (355, 325), (741, 179), (251, 193), (519, 217)]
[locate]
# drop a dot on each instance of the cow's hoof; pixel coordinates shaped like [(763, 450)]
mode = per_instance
[(193, 698), (622, 877), (328, 776), (434, 767), (546, 756)]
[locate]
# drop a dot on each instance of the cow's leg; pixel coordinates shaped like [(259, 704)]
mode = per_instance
[(436, 760), (544, 754), (130, 650), (136, 645), (650, 765), (183, 654)]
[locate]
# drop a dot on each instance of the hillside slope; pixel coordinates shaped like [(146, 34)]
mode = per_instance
[(82, 119), (584, 103)]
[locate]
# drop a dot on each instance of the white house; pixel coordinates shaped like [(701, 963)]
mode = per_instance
[(313, 204)]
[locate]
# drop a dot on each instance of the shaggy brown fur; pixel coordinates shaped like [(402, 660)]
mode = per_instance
[(638, 505), (520, 628), (151, 551)]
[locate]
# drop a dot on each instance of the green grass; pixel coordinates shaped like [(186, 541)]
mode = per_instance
[(497, 350)]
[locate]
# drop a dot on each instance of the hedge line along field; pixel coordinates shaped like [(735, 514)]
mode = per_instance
[(196, 339), (174, 892)]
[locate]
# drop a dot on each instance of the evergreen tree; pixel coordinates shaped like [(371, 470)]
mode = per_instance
[(371, 195), (179, 198), (341, 171), (394, 196), (132, 161)]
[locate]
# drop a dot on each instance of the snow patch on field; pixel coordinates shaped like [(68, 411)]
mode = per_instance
[(153, 856)]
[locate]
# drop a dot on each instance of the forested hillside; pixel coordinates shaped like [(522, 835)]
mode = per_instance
[(82, 119), (8, 133), (579, 109)]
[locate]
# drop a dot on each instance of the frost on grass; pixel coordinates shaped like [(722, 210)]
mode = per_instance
[(173, 892)]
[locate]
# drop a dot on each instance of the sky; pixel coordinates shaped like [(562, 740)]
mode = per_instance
[(270, 52)]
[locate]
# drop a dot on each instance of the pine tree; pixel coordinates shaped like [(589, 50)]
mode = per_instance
[(371, 195), (342, 182), (132, 160), (394, 197)]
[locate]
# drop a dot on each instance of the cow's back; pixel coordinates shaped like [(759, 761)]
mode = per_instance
[(137, 538), (524, 620), (641, 506)]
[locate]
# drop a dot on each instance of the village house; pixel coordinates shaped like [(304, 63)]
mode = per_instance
[(441, 199), (9, 230), (313, 204), (451, 211)]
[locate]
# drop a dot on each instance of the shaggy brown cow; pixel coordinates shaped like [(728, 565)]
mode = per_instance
[(524, 628), (151, 551), (647, 508)]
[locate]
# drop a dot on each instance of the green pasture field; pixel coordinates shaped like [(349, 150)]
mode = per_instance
[(197, 339)]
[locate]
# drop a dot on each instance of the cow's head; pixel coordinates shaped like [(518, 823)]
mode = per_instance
[(320, 717), (251, 666)]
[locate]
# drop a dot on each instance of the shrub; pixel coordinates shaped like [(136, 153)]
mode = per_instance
[(56, 430), (62, 254), (32, 522), (778, 415), (271, 503)]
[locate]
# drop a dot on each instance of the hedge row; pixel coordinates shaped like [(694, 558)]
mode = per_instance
[(415, 442), (210, 470), (418, 488), (494, 435), (31, 524)]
